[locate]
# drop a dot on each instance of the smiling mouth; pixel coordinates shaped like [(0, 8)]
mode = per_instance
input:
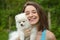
[(32, 19)]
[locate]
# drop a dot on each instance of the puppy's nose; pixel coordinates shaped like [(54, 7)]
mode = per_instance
[(22, 25)]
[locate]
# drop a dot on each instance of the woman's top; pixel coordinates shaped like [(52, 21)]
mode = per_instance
[(43, 37)]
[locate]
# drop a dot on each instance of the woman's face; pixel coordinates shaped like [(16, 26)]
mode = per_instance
[(32, 14)]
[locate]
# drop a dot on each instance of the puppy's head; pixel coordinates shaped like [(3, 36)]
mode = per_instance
[(22, 21)]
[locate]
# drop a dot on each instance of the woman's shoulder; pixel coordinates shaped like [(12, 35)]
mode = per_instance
[(50, 35)]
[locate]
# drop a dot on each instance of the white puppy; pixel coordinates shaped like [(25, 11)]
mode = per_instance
[(22, 24)]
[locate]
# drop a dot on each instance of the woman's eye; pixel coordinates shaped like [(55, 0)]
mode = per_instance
[(34, 12), (27, 13)]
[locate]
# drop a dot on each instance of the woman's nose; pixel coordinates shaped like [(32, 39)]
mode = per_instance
[(31, 15)]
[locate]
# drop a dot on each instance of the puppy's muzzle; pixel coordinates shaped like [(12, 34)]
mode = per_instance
[(22, 25)]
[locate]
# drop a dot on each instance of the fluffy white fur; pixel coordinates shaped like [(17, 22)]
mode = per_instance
[(22, 23)]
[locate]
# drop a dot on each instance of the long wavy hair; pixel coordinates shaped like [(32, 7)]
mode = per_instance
[(41, 13)]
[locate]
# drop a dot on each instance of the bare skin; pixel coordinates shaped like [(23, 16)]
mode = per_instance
[(49, 35), (33, 18)]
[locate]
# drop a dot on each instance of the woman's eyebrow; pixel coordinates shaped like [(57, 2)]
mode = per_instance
[(33, 10)]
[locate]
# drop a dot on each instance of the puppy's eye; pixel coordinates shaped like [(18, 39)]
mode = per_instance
[(23, 21), (19, 22), (26, 20)]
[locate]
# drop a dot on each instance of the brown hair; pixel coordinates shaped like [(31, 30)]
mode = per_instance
[(43, 18)]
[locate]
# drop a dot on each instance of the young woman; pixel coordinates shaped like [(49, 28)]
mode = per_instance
[(36, 16)]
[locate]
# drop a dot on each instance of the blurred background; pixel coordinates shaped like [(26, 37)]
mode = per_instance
[(9, 8)]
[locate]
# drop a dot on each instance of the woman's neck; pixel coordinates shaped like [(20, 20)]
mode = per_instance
[(36, 25)]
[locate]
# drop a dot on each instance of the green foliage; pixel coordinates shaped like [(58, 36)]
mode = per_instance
[(3, 35), (9, 8), (53, 6), (8, 11)]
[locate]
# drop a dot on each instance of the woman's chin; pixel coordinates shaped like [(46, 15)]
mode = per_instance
[(32, 23)]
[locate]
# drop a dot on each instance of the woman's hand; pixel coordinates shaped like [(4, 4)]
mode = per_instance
[(27, 32), (18, 38)]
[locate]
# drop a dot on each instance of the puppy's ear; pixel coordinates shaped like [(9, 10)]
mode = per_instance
[(17, 24), (15, 17)]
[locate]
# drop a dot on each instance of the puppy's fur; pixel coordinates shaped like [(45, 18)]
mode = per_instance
[(22, 24)]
